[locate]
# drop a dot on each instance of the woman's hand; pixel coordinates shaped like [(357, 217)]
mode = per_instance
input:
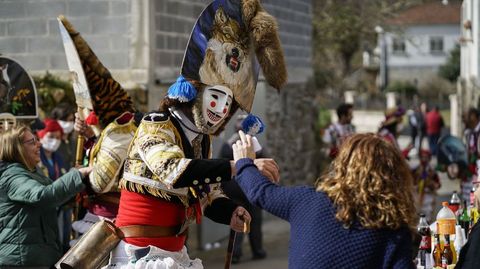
[(243, 148), (85, 171), (269, 168)]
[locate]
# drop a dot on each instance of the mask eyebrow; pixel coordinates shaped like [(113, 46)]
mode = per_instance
[(219, 91)]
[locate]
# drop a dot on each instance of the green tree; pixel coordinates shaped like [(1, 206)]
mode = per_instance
[(51, 91), (340, 30), (451, 69)]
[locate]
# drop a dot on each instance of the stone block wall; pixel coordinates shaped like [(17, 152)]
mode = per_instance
[(29, 31), (174, 20)]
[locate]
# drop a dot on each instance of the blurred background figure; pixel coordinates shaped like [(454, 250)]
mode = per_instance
[(29, 201), (434, 124), (391, 127), (471, 119), (416, 121), (53, 165), (64, 113), (234, 192), (426, 182), (339, 131)]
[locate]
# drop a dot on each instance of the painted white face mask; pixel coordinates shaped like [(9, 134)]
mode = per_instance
[(67, 126), (217, 101), (50, 144)]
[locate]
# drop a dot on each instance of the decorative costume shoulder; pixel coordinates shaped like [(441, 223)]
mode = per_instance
[(109, 154), (159, 164)]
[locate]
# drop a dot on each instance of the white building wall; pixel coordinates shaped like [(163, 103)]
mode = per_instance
[(417, 45)]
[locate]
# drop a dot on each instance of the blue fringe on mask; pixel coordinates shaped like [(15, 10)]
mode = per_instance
[(252, 125), (182, 90)]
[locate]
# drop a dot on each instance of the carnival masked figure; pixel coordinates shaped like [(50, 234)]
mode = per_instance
[(169, 179), (426, 182)]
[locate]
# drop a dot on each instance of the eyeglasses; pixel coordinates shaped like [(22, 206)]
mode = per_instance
[(32, 141)]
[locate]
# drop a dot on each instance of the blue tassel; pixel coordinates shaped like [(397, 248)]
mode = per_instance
[(182, 90), (252, 125)]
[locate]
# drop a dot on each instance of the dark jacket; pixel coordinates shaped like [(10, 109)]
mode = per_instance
[(469, 258), (28, 218)]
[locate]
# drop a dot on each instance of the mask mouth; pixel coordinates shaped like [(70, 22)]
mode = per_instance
[(214, 117)]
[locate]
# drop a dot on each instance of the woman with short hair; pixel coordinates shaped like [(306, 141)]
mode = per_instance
[(28, 202), (359, 215)]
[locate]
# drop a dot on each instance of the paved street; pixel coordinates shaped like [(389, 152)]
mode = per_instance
[(276, 235)]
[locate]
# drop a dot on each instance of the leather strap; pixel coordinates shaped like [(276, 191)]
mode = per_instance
[(150, 231)]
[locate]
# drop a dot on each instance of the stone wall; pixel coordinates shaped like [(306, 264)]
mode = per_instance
[(291, 115), (174, 20), (29, 31)]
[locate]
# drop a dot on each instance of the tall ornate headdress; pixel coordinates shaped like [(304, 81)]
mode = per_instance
[(230, 42)]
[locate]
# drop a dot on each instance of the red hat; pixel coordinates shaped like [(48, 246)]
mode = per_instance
[(51, 125)]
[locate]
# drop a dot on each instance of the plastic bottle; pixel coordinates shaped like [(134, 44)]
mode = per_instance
[(459, 239), (425, 248), (446, 220)]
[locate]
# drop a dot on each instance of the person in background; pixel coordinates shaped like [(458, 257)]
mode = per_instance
[(52, 162), (434, 124), (339, 131), (64, 113), (28, 204), (234, 192), (427, 182), (360, 217), (36, 125), (471, 119), (391, 127), (53, 165), (416, 121), (422, 115)]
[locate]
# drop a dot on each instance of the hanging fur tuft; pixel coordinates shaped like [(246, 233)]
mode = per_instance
[(264, 31)]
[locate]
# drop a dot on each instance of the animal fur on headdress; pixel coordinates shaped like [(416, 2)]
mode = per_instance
[(264, 32), (230, 42), (109, 99)]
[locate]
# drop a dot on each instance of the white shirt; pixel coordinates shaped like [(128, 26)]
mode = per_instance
[(186, 121)]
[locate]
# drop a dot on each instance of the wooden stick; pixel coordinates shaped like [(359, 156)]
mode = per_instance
[(231, 245)]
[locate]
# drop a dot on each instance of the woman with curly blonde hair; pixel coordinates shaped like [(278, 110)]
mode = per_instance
[(359, 215)]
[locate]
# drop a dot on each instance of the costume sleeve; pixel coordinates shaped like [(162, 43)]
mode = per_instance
[(260, 191), (216, 206), (160, 149), (220, 210), (109, 154), (22, 187)]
